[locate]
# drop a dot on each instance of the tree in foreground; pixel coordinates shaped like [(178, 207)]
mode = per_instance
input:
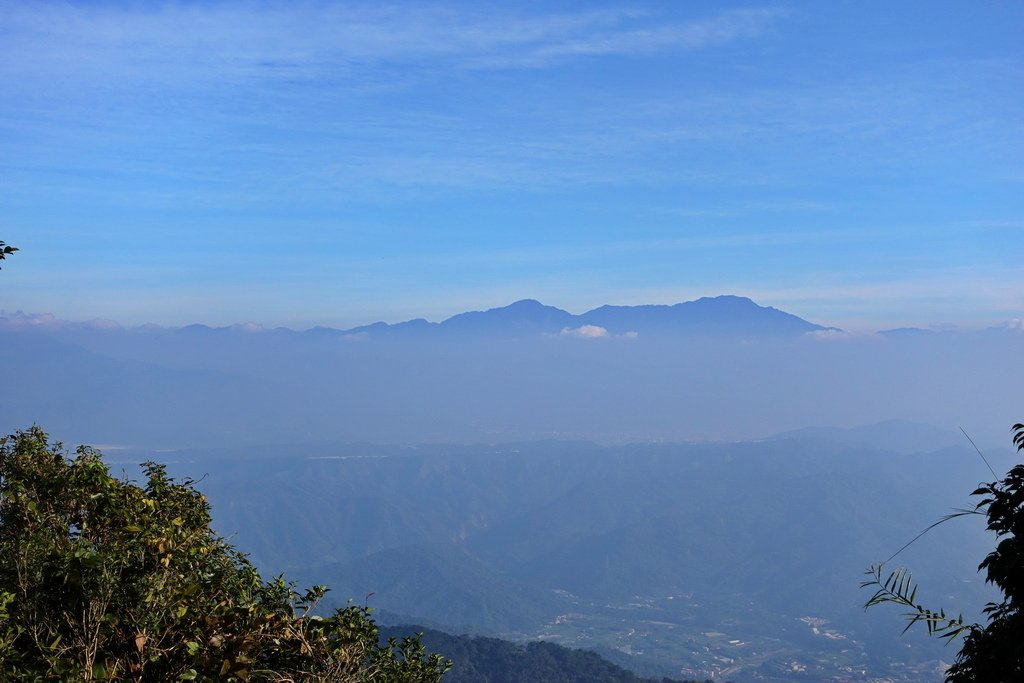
[(103, 579), (994, 652), (6, 250)]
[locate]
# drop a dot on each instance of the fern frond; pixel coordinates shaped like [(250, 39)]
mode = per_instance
[(899, 588)]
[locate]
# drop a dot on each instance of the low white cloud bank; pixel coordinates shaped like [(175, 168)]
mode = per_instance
[(827, 334), (20, 320), (585, 332), (595, 332), (833, 334)]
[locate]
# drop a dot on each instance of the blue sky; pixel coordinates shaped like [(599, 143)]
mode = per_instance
[(859, 164)]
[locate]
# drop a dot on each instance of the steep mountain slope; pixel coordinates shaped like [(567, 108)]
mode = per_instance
[(639, 548), (438, 581), (491, 660)]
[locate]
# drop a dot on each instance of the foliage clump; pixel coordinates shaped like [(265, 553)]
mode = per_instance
[(994, 652), (104, 579), (6, 250)]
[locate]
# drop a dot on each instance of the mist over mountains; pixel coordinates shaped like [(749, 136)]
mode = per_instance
[(716, 368), (692, 490)]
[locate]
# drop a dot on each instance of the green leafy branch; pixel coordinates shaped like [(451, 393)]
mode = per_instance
[(899, 588)]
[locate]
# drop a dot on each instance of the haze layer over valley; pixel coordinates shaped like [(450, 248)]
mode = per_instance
[(716, 369), (734, 561)]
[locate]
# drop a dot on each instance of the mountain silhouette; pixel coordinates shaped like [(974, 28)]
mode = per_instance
[(720, 315)]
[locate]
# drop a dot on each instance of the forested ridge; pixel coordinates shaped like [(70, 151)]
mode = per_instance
[(492, 660)]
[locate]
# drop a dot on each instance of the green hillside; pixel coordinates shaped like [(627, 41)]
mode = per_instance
[(491, 660)]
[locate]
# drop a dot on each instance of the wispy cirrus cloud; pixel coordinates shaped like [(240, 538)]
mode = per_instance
[(327, 40), (213, 103), (620, 40), (218, 100)]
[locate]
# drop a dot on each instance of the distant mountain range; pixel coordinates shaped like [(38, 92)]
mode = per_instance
[(709, 315), (902, 436), (725, 315), (720, 315), (715, 368)]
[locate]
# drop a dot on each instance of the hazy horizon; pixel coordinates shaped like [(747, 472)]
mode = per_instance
[(858, 327)]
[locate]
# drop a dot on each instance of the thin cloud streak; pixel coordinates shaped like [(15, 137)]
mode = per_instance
[(610, 143), (725, 28), (305, 40)]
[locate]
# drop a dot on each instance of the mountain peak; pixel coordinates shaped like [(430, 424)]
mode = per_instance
[(724, 300), (526, 316), (724, 314)]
